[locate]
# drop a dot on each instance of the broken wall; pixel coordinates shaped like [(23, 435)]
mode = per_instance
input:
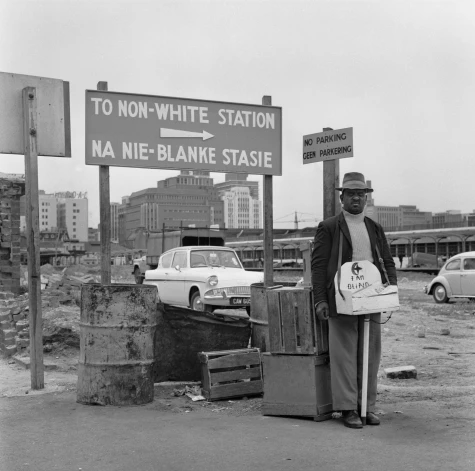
[(12, 187)]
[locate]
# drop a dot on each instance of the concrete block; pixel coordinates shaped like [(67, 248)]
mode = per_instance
[(22, 325), (10, 350), (9, 342), (25, 363), (22, 343), (6, 295), (401, 372), (19, 317), (10, 334)]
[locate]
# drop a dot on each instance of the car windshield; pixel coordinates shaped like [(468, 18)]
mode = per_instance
[(214, 258)]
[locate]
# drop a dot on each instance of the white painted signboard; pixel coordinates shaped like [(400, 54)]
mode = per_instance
[(328, 145), (128, 130), (363, 291), (53, 126)]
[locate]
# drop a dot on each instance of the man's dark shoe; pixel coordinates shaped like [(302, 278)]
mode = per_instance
[(351, 419), (372, 419)]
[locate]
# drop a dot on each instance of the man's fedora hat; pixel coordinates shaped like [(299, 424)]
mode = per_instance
[(354, 181)]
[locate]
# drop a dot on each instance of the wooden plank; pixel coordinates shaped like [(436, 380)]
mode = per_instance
[(281, 408), (205, 377), (105, 215), (243, 388), (67, 120), (304, 318), (235, 375), (205, 356), (268, 240), (29, 98), (331, 179), (274, 321), (287, 312), (240, 359), (296, 385)]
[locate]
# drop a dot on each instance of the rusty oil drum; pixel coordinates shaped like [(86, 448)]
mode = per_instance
[(260, 315), (117, 329)]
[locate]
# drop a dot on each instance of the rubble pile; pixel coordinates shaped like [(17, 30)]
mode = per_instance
[(57, 289)]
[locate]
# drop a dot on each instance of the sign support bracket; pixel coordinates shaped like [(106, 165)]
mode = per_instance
[(30, 121)]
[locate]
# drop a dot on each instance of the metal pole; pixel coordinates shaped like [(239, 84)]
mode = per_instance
[(364, 390)]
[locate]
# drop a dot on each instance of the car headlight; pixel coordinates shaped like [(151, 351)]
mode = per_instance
[(213, 280)]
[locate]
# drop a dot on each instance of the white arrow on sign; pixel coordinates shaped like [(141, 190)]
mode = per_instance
[(164, 132)]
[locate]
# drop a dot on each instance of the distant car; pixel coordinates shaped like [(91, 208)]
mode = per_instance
[(456, 279), (203, 278)]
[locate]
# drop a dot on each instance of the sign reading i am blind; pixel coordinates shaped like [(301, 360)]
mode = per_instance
[(128, 130), (328, 145), (360, 290)]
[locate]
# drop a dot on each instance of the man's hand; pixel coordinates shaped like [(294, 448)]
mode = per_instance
[(323, 311)]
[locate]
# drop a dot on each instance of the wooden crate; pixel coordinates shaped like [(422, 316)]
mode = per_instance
[(293, 325), (297, 385), (231, 373)]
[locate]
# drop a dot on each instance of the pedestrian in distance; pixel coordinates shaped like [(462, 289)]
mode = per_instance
[(401, 258), (361, 239)]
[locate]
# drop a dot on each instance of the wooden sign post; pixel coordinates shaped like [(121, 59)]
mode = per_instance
[(33, 236), (328, 147), (331, 181), (105, 215), (268, 239), (34, 120)]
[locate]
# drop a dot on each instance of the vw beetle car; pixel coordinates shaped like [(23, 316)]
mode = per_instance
[(456, 279), (203, 278)]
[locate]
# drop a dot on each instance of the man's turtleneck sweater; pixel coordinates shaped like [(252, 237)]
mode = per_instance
[(359, 236)]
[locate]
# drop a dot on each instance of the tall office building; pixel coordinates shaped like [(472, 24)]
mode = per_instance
[(241, 211), (47, 211), (398, 218), (242, 208), (233, 180), (73, 216), (188, 199)]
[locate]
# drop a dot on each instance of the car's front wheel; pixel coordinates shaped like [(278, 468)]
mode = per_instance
[(138, 276), (440, 294), (197, 305)]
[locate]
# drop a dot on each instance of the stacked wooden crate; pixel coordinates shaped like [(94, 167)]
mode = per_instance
[(296, 370), (231, 373)]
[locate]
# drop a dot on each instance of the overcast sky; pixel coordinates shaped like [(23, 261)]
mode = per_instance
[(401, 73)]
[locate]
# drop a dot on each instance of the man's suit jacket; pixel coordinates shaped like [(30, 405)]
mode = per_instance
[(325, 256)]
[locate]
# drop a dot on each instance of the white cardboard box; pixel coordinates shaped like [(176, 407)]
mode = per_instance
[(362, 290)]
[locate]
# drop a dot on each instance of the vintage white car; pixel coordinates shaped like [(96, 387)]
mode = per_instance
[(203, 278), (456, 279)]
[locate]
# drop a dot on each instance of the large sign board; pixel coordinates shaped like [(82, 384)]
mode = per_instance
[(128, 130), (53, 123), (328, 145)]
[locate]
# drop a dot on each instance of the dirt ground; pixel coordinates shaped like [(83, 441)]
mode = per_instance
[(437, 339)]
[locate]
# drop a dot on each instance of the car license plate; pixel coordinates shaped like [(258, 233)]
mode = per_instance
[(240, 301)]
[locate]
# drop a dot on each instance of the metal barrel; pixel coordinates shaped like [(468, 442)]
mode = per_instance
[(117, 329), (260, 315)]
